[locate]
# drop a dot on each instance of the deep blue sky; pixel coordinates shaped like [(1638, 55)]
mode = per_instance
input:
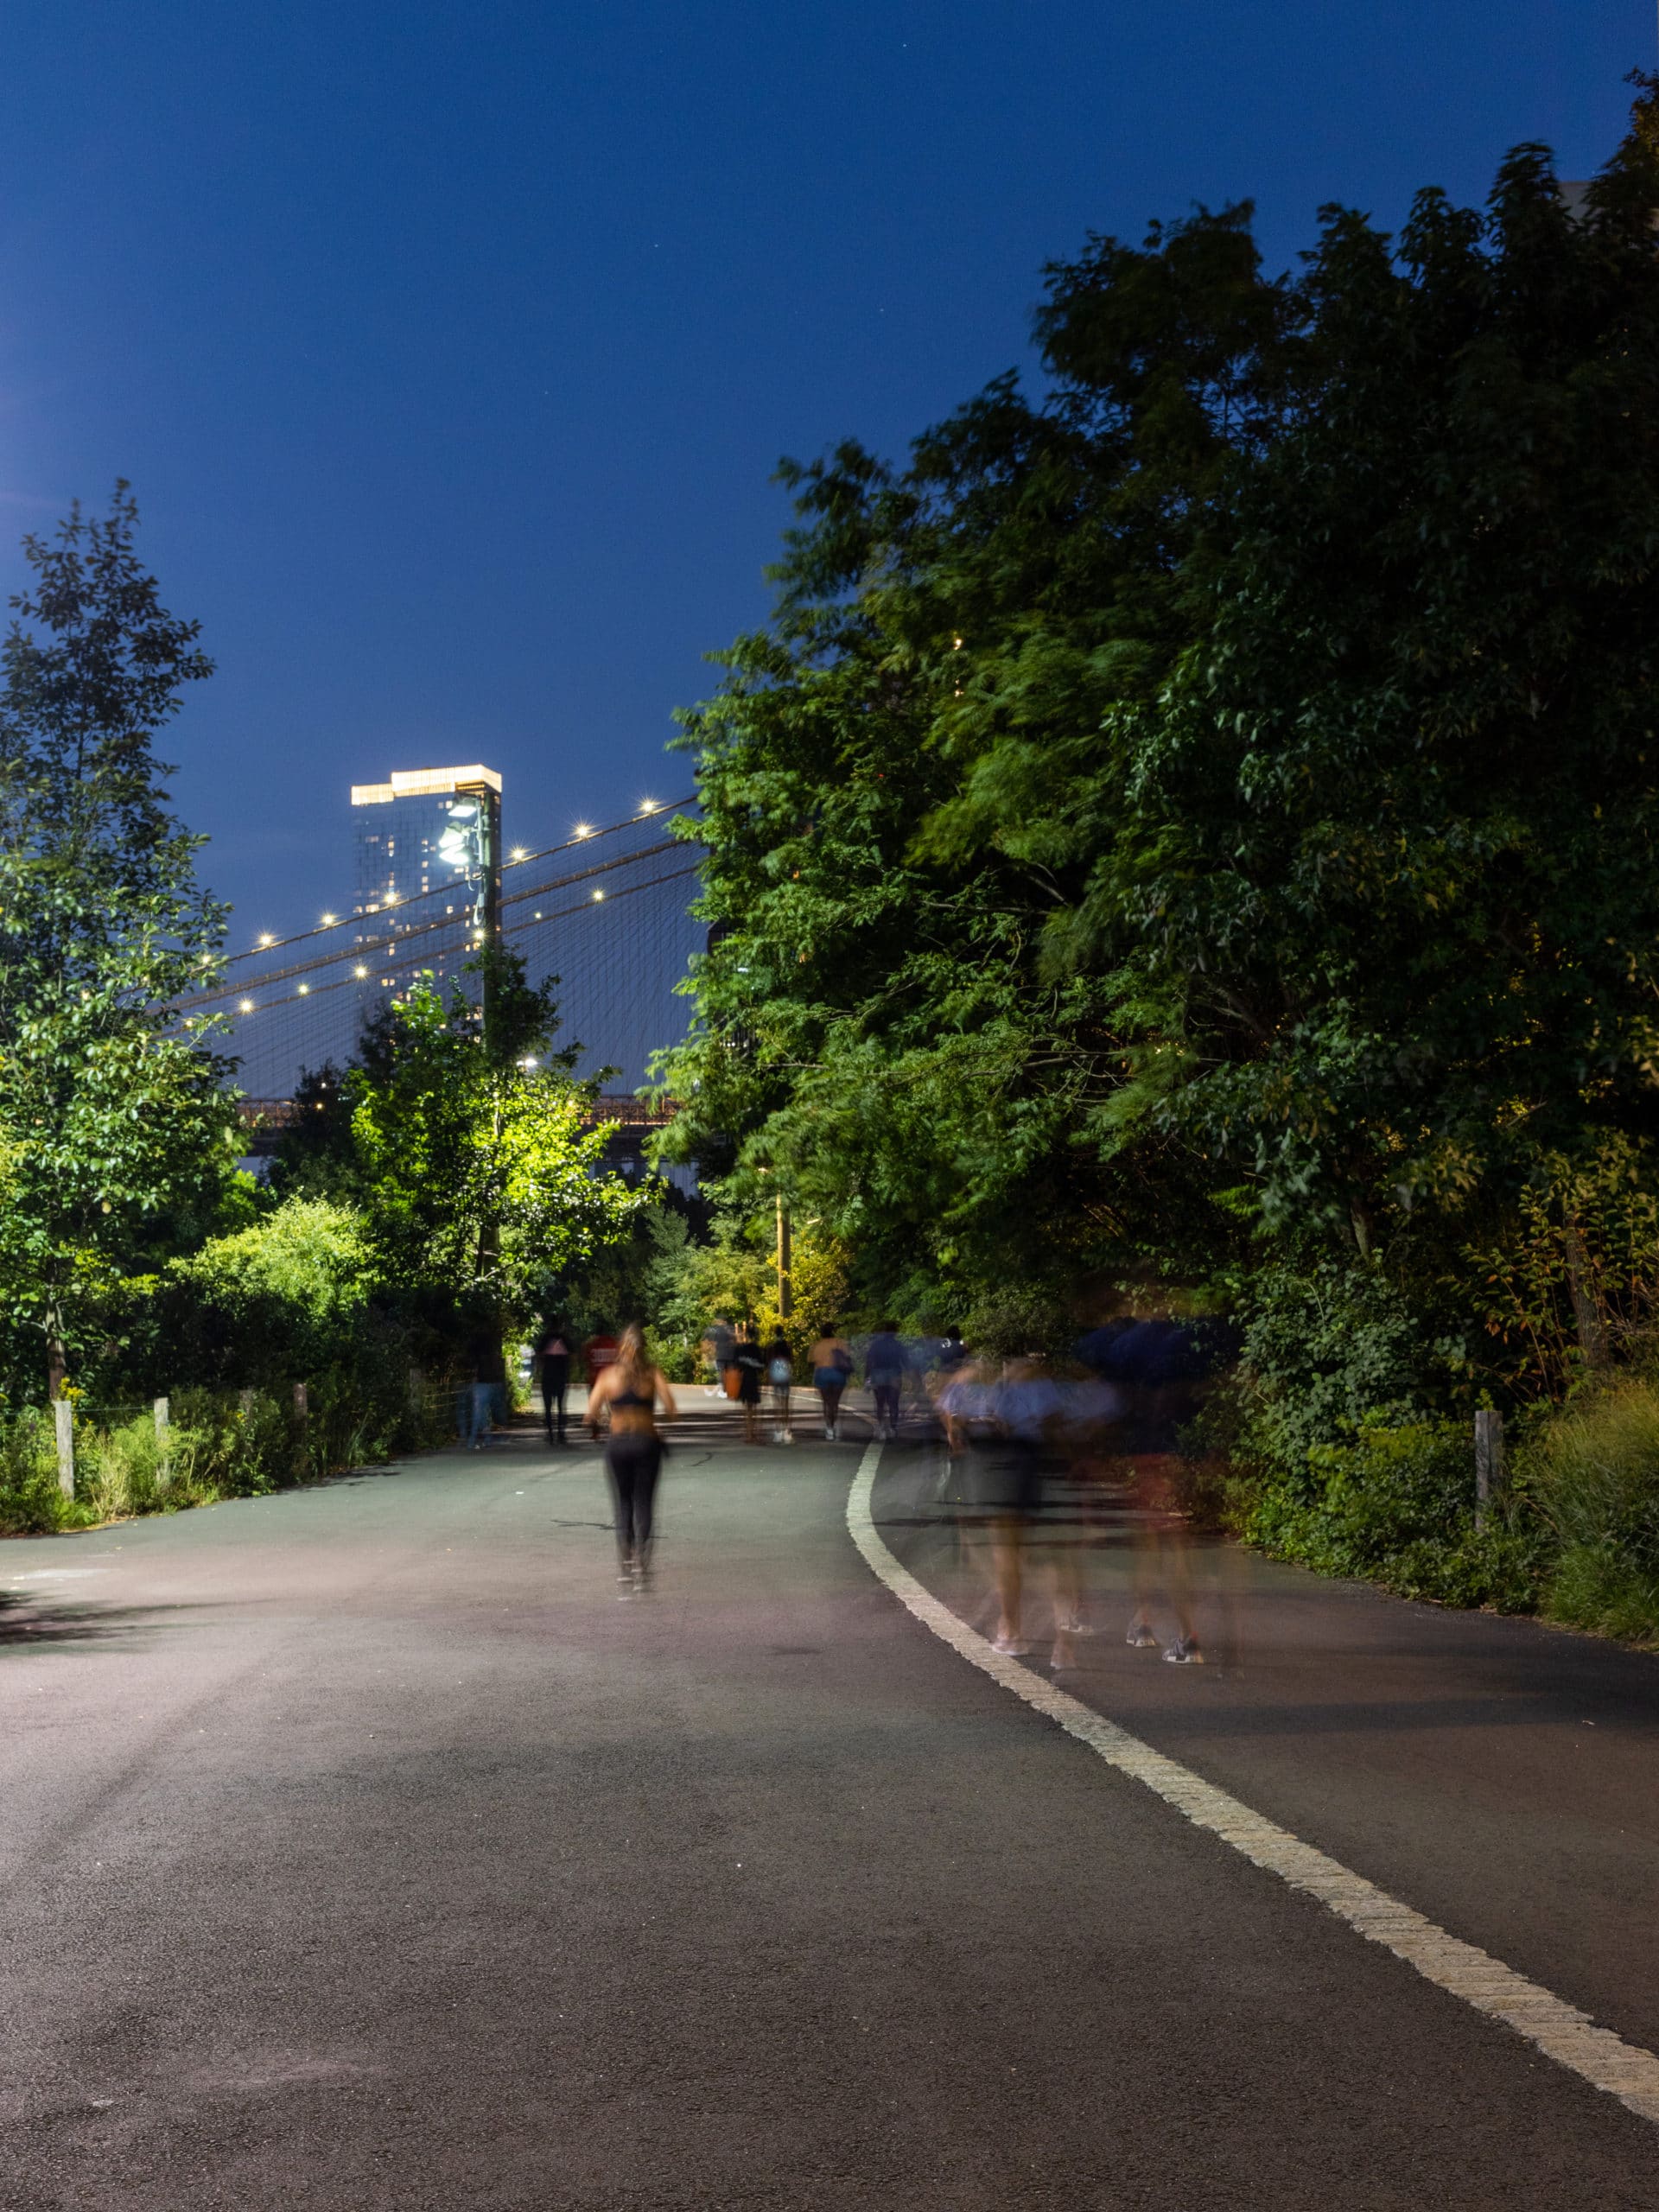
[(450, 348)]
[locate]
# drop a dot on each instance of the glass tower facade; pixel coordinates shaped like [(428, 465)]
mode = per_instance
[(428, 848)]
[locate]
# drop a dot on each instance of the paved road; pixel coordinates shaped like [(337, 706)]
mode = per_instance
[(359, 1850)]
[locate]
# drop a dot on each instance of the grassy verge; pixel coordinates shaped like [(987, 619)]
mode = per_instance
[(218, 1445)]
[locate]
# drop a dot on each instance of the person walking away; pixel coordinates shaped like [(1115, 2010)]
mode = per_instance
[(950, 1355), (553, 1351), (597, 1354), (489, 1375), (831, 1362), (629, 1391), (719, 1346), (780, 1377), (751, 1365), (884, 1371)]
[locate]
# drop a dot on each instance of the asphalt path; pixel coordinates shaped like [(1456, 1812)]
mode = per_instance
[(358, 1848)]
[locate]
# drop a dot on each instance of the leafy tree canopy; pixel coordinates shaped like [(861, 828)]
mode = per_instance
[(1214, 800), (117, 1134)]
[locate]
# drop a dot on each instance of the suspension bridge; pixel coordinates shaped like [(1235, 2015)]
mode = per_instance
[(605, 910)]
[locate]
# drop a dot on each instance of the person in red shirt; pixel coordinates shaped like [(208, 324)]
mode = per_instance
[(597, 1354)]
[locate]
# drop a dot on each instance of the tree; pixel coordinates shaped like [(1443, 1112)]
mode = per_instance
[(478, 1164), (119, 1135)]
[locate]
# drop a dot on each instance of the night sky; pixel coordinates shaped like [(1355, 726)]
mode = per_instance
[(451, 349)]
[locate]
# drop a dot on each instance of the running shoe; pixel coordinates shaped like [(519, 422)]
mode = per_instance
[(1184, 1652), (1140, 1636), (1011, 1647)]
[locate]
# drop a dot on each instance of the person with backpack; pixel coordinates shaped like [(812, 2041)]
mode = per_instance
[(884, 1371), (780, 1376)]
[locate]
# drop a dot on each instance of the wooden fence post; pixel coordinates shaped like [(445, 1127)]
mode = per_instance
[(163, 1445), (1489, 1462), (63, 1415)]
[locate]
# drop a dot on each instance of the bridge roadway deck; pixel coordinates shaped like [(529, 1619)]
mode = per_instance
[(361, 1850)]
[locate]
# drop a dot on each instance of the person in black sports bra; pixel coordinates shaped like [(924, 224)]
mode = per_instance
[(629, 1391)]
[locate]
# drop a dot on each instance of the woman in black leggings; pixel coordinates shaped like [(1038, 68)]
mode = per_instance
[(632, 1388)]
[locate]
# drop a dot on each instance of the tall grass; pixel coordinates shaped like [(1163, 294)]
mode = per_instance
[(1594, 1473), (220, 1445)]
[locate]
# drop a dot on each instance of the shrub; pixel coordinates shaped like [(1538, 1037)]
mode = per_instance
[(31, 1501), (1397, 1505), (1594, 1470)]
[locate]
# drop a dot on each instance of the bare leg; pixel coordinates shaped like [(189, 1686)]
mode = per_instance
[(1005, 1568)]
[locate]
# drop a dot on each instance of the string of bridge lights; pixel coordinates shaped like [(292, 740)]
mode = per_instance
[(396, 941), (518, 857), (361, 973)]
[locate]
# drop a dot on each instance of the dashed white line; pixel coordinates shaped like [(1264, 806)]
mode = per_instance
[(1559, 2030)]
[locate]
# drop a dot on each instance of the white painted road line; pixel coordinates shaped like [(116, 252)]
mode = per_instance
[(1562, 2033)]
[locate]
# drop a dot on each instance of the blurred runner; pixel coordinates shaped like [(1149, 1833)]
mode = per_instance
[(884, 1371), (1153, 1360), (831, 1361), (553, 1353), (780, 1377), (1027, 1410), (750, 1363), (629, 1390)]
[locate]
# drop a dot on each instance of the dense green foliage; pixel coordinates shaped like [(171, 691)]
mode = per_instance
[(1198, 827)]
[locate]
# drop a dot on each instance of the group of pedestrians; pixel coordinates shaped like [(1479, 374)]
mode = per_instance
[(757, 1374), (1019, 1439), (1026, 1445)]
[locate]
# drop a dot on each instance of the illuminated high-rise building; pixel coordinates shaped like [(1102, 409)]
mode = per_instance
[(425, 830), (428, 850)]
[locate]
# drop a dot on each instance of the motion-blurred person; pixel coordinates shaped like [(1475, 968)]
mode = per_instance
[(1028, 1413), (831, 1361), (553, 1356), (884, 1371), (781, 1380), (630, 1389), (750, 1363), (967, 1410), (1154, 1361)]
